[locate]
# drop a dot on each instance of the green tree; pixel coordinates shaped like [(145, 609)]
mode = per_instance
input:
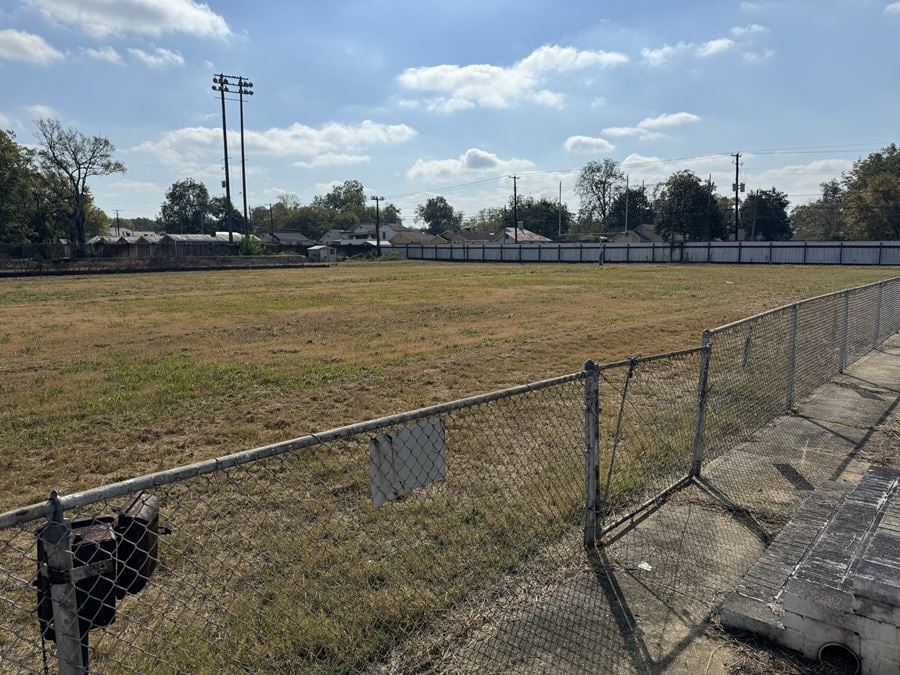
[(186, 209), (74, 158), (640, 210), (18, 180), (764, 215), (347, 199), (225, 217), (871, 198), (597, 187), (542, 216), (823, 219), (686, 208), (492, 219), (873, 212), (438, 215)]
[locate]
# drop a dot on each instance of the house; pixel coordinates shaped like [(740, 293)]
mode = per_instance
[(287, 240), (321, 253), (466, 236), (508, 235), (413, 237), (642, 234)]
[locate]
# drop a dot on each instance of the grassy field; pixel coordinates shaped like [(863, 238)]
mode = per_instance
[(103, 378)]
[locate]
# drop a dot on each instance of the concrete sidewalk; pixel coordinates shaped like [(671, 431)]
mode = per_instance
[(647, 601)]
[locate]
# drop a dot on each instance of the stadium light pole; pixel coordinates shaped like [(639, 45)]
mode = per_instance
[(245, 88), (220, 84), (377, 201)]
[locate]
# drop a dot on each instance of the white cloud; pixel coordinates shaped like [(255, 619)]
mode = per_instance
[(628, 132), (587, 145), (5, 122), (108, 54), (158, 58), (473, 163), (753, 7), (716, 46), (661, 55), (150, 17), (333, 159), (668, 120), (17, 45), (42, 112), (191, 147), (801, 181), (490, 86), (598, 102), (749, 29), (893, 8), (751, 56), (648, 128)]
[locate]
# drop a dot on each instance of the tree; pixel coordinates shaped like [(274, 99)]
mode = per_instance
[(186, 208), (542, 216), (225, 218), (75, 158), (18, 179), (438, 215), (348, 199), (597, 186), (823, 219), (764, 215), (686, 208), (640, 210), (874, 211), (492, 219), (872, 198)]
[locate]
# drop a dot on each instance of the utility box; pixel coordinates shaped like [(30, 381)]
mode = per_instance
[(137, 530), (93, 543)]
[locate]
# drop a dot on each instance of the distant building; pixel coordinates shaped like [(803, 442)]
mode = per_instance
[(508, 235), (413, 237), (642, 234), (287, 240), (321, 253), (466, 236)]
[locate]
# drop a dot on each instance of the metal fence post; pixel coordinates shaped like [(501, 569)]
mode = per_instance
[(55, 538), (845, 330), (702, 395), (592, 452), (791, 360), (877, 337)]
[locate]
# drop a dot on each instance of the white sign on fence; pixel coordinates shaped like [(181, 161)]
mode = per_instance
[(403, 460)]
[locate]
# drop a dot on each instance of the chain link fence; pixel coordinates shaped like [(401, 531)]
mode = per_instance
[(762, 366), (448, 539)]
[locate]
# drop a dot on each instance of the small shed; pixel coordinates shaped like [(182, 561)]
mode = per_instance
[(321, 253)]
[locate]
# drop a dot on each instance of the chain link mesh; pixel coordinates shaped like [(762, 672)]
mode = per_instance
[(451, 540)]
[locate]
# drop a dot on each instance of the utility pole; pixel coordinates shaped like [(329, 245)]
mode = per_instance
[(245, 88), (118, 230), (271, 221), (559, 206), (220, 84), (515, 210), (377, 201), (737, 197), (626, 203), (708, 207)]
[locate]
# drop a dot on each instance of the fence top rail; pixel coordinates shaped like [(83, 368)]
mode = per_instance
[(129, 486), (784, 308), (637, 360)]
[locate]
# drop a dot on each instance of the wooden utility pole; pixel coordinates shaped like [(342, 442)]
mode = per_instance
[(737, 197)]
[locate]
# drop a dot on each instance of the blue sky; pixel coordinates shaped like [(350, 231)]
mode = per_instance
[(414, 97)]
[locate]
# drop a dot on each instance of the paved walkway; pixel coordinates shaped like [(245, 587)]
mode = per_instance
[(647, 602)]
